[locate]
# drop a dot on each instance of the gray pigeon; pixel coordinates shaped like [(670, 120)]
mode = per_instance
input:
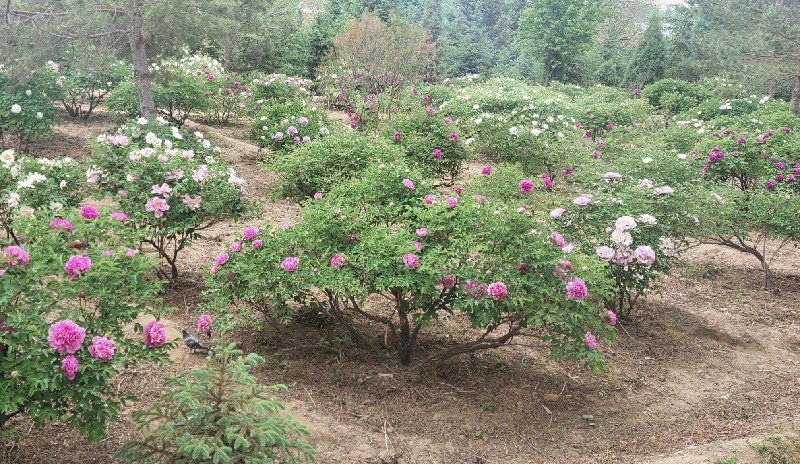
[(192, 343)]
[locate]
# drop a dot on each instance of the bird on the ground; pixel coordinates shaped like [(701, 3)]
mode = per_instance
[(192, 342)]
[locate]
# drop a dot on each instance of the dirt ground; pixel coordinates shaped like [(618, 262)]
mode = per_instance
[(708, 367)]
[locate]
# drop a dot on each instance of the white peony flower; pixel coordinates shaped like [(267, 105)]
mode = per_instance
[(16, 109), (647, 160), (648, 219), (625, 223), (7, 157), (142, 121), (39, 115), (621, 237)]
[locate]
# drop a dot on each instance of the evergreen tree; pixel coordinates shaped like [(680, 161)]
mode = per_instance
[(647, 65)]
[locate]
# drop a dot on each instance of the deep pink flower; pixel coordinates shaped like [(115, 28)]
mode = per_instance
[(422, 232), (102, 349), (15, 256), (290, 263), (458, 189), (430, 199), (576, 289), (77, 265), (396, 137), (526, 186), (235, 246), (590, 340), (497, 291), (318, 196), (558, 239), (338, 261), (437, 153), (595, 154), (154, 335), (257, 244), (453, 136), (417, 245), (70, 366), (612, 317), (250, 233), (204, 324), (448, 282), (66, 337), (451, 202), (486, 170), (61, 224), (89, 212), (221, 259), (411, 260), (408, 184)]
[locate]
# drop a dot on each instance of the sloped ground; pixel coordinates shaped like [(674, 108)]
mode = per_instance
[(709, 366)]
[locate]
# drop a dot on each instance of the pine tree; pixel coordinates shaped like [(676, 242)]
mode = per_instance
[(648, 58)]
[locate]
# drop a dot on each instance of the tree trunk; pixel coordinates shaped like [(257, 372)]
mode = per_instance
[(228, 61), (141, 72), (548, 71), (794, 104), (772, 83)]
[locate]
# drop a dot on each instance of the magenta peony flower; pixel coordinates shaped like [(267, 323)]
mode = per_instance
[(497, 291), (257, 244), (576, 289), (451, 202), (15, 256), (204, 324), (417, 245), (645, 255), (430, 199), (422, 232), (338, 261), (291, 130), (318, 196), (396, 137), (154, 335), (558, 239), (437, 153), (411, 260), (302, 120), (453, 136), (89, 212), (70, 366), (66, 337), (119, 216), (235, 246), (409, 185), (76, 265), (61, 224), (250, 233), (612, 317), (290, 263), (526, 186), (595, 154), (448, 282), (102, 349), (590, 340), (486, 170), (221, 259), (475, 291), (605, 253)]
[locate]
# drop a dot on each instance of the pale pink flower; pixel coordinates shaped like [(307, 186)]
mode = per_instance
[(612, 317), (451, 202), (430, 199), (102, 349), (200, 174), (221, 259), (119, 216), (590, 340), (66, 337), (417, 245), (576, 289), (558, 239), (605, 253), (625, 223), (235, 246), (70, 366), (645, 255), (162, 189), (257, 244), (422, 232), (188, 154), (192, 203), (558, 212), (157, 206), (568, 248), (318, 196), (582, 200)]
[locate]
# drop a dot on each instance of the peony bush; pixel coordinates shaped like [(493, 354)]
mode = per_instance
[(69, 294)]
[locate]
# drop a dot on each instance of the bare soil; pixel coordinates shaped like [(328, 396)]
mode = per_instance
[(708, 366)]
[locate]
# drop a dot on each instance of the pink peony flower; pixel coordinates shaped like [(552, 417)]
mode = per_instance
[(102, 349), (458, 189), (612, 317), (15, 256), (302, 120), (157, 206), (290, 263), (448, 282), (119, 216), (61, 224), (417, 245), (576, 289), (66, 337), (558, 239), (411, 260), (396, 137), (605, 253), (453, 136), (437, 153), (582, 200), (257, 244), (250, 233), (526, 186), (422, 232), (235, 246), (76, 265), (430, 199), (204, 324), (497, 291), (192, 203), (154, 335), (200, 174), (338, 261), (221, 259), (568, 248), (70, 366), (163, 189), (475, 291), (131, 252), (187, 154), (645, 255), (486, 170), (89, 212), (318, 196), (451, 202), (409, 185), (558, 212), (590, 340)]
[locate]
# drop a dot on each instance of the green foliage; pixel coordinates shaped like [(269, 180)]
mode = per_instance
[(647, 65), (327, 161), (218, 414), (172, 184), (104, 300), (26, 110), (674, 96)]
